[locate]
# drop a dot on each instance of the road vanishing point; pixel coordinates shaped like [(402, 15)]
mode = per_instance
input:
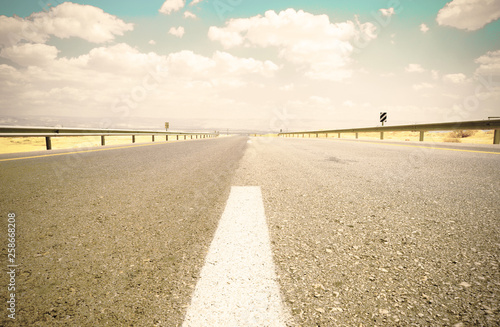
[(254, 231)]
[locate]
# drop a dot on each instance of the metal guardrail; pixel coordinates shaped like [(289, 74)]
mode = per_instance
[(49, 132), (493, 124)]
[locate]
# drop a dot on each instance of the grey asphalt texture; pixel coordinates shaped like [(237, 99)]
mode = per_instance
[(379, 234), (114, 238), (363, 233)]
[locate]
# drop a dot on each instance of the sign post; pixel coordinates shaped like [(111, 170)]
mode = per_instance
[(383, 117), (167, 125)]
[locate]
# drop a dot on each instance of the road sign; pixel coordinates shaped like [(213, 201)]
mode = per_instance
[(383, 117), (167, 126)]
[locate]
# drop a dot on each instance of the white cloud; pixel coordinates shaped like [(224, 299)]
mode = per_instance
[(57, 86), (435, 74), (418, 87), (15, 29), (452, 96), (188, 14), (227, 37), (187, 62), (489, 63), (221, 64), (387, 12), (288, 87), (469, 15), (455, 78), (121, 82), (63, 21), (119, 59), (424, 28), (194, 2), (319, 100), (307, 40), (152, 42), (488, 74), (348, 103), (170, 6), (414, 68), (179, 31), (232, 64), (30, 54)]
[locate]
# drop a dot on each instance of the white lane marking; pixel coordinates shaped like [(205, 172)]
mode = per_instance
[(238, 284)]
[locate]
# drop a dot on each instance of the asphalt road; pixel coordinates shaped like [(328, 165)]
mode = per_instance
[(379, 234), (114, 238), (362, 233)]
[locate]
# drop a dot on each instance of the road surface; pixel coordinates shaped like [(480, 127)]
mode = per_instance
[(361, 233)]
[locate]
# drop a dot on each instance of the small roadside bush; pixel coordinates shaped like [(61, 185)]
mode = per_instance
[(461, 134)]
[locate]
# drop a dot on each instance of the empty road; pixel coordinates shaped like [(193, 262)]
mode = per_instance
[(350, 233)]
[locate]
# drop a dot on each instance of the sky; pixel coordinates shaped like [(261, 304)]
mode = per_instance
[(240, 65)]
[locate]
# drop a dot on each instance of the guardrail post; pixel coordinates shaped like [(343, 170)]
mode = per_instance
[(103, 140), (177, 137), (422, 136), (381, 135), (166, 138), (496, 137), (339, 135), (153, 138), (357, 136), (48, 143), (133, 138), (185, 137)]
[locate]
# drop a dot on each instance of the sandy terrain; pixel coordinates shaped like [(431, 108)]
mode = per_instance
[(26, 144), (478, 137)]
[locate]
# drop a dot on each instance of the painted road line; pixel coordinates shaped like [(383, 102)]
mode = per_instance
[(238, 284)]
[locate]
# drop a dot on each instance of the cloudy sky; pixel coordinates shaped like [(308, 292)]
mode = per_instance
[(248, 65)]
